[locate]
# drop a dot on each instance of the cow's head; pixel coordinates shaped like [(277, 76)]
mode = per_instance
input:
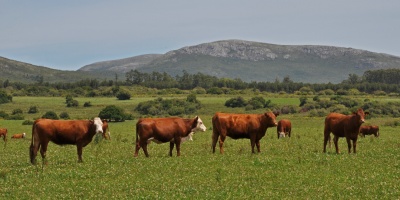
[(271, 118), (198, 125), (360, 114), (98, 124), (23, 135), (282, 134)]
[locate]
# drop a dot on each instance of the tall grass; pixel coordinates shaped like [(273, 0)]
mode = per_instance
[(288, 168)]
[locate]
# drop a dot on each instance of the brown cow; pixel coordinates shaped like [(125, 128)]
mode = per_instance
[(369, 130), (18, 136), (106, 135), (161, 130), (3, 133), (237, 126), (284, 128), (61, 132), (344, 126)]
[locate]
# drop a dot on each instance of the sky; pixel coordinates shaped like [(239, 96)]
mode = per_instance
[(68, 35)]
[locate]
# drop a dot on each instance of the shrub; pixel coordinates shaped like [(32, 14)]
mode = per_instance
[(16, 117), (160, 106), (50, 115), (3, 115), (64, 115), (4, 98), (87, 104), (27, 122), (123, 96), (235, 102), (215, 90), (73, 103), (113, 112), (33, 109), (17, 111)]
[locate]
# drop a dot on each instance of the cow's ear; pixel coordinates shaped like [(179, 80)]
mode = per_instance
[(196, 118)]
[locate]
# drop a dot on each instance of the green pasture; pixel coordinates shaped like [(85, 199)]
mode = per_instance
[(288, 168)]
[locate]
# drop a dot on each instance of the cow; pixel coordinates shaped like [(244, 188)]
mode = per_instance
[(344, 126), (369, 130), (284, 128), (62, 132), (3, 133), (106, 135), (161, 130), (237, 126), (18, 136)]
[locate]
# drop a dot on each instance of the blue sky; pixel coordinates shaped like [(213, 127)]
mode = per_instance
[(70, 34)]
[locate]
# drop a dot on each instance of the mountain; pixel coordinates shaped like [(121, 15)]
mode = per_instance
[(249, 61), (254, 61), (27, 73)]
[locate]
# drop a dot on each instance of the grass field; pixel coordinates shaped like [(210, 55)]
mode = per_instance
[(288, 168)]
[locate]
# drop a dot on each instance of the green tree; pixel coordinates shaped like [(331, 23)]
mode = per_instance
[(113, 112), (50, 115)]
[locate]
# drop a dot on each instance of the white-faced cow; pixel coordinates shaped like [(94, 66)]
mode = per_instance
[(369, 130), (237, 126), (62, 132), (161, 130), (284, 128), (347, 126), (18, 136)]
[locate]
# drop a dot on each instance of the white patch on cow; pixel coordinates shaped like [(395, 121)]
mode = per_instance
[(99, 125), (187, 138), (23, 135), (183, 139), (282, 134)]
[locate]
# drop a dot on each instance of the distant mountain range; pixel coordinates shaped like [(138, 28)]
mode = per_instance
[(249, 61)]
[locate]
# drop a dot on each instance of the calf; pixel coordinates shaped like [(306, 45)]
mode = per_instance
[(369, 130), (347, 126), (284, 128), (18, 136), (161, 130)]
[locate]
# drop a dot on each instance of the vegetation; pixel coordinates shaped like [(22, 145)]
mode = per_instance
[(169, 107), (114, 113), (286, 168)]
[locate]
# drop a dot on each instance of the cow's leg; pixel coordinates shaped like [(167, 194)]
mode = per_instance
[(258, 145), (178, 146), (43, 150), (143, 144), (33, 152), (214, 140), (348, 144), (137, 149), (252, 142), (221, 143), (354, 145), (326, 138), (79, 148), (171, 147), (335, 141)]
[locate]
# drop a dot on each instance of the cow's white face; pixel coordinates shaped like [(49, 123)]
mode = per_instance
[(200, 126), (99, 125), (23, 135), (282, 134)]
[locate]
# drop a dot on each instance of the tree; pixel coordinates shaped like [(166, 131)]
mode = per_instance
[(123, 95), (50, 115), (4, 98), (113, 112)]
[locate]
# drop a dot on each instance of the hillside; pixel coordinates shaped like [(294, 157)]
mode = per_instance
[(27, 73), (253, 61)]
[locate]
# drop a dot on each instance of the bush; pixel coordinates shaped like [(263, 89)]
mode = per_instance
[(123, 96), (257, 102), (27, 122), (169, 106), (33, 109), (50, 115), (236, 102), (3, 115), (15, 117), (113, 112), (17, 111), (64, 115), (73, 103), (4, 98), (87, 104)]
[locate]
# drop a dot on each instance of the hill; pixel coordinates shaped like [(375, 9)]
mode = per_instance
[(254, 61), (27, 73)]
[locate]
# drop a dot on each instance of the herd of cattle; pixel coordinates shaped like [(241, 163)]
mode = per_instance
[(176, 130)]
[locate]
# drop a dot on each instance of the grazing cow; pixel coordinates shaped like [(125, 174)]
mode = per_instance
[(160, 130), (106, 135), (61, 132), (18, 136), (237, 126), (344, 126), (3, 133), (369, 130), (284, 128)]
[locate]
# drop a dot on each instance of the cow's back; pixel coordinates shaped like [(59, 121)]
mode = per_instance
[(237, 125), (334, 123), (161, 129), (62, 131)]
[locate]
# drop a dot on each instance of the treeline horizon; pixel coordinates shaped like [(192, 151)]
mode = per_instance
[(372, 81)]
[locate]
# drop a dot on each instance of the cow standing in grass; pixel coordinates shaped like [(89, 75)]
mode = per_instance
[(237, 126), (160, 130), (3, 133), (284, 128), (369, 130), (347, 126), (62, 132)]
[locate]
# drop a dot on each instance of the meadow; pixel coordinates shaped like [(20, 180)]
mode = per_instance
[(287, 168)]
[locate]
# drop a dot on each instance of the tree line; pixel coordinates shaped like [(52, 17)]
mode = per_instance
[(372, 81)]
